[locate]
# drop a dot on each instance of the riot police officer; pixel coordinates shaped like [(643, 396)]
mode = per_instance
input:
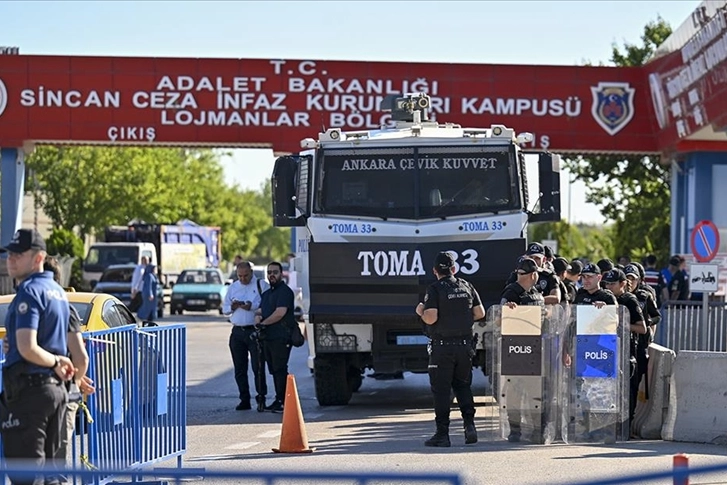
[(646, 296), (450, 308), (522, 292), (616, 281), (547, 283)]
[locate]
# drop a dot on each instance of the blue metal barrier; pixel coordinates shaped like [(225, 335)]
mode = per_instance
[(139, 407), (138, 412), (179, 475)]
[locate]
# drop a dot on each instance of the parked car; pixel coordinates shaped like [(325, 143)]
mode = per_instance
[(198, 290), (116, 281), (98, 311)]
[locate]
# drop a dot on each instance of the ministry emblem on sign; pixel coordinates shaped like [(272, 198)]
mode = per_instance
[(613, 105), (3, 97)]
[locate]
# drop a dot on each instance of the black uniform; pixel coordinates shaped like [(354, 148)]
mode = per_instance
[(632, 305), (450, 348), (570, 288), (33, 400), (652, 317), (517, 294), (547, 281), (679, 284)]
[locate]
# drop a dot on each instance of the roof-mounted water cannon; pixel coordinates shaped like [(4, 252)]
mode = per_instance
[(410, 108)]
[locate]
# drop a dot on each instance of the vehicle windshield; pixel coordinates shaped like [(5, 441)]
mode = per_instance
[(101, 257), (199, 277), (418, 183), (83, 309), (117, 275)]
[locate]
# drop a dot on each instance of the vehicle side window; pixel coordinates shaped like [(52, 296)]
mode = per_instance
[(109, 314), (147, 254), (125, 315)]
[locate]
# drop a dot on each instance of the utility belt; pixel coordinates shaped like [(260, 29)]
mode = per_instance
[(38, 379), (451, 341)]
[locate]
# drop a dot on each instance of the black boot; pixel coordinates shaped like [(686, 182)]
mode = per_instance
[(470, 432), (440, 438)]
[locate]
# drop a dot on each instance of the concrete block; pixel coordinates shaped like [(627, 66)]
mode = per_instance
[(651, 413), (698, 399)]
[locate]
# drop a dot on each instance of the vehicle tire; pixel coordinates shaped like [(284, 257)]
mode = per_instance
[(332, 384), (355, 379), (160, 312)]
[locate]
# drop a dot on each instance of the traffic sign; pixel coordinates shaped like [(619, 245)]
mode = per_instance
[(704, 277), (705, 241)]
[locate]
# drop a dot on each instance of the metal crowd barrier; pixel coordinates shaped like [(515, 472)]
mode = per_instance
[(681, 327), (178, 476), (138, 412)]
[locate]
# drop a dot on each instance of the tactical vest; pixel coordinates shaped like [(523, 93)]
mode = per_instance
[(454, 312)]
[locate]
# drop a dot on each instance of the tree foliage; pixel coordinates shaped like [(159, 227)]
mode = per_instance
[(574, 241), (85, 189), (633, 192)]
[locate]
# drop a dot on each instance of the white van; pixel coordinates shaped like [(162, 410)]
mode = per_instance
[(102, 255)]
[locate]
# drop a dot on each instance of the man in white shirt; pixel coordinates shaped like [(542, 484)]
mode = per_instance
[(241, 301), (137, 281)]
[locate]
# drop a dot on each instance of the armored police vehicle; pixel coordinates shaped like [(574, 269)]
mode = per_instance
[(371, 209)]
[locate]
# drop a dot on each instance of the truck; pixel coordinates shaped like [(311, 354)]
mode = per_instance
[(370, 210), (171, 247)]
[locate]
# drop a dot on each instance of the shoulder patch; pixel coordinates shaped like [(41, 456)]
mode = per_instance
[(23, 308)]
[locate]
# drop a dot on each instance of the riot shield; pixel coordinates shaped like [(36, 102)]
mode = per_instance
[(527, 356), (596, 374)]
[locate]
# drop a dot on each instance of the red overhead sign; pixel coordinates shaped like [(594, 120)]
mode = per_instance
[(688, 80), (261, 102)]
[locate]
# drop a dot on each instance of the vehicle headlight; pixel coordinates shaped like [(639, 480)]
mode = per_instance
[(214, 296)]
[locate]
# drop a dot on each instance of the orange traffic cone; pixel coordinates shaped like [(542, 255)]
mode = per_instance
[(293, 438)]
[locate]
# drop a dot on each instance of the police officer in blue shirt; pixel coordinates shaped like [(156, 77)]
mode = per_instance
[(33, 401), (450, 308)]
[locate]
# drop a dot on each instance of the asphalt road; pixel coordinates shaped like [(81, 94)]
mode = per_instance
[(382, 431)]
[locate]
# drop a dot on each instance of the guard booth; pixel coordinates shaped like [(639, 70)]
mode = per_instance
[(596, 372), (528, 343)]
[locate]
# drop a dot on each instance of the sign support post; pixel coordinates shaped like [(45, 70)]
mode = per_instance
[(704, 277)]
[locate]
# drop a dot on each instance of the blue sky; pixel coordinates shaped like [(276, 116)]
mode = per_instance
[(512, 32)]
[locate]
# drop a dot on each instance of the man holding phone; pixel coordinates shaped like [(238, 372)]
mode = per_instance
[(241, 301)]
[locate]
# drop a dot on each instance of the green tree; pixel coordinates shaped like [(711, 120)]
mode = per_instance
[(85, 189), (575, 241), (633, 192)]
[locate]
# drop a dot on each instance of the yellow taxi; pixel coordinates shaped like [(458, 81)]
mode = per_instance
[(98, 311)]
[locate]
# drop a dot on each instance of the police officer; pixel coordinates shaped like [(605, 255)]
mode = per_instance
[(571, 277), (645, 295), (547, 281), (33, 402), (450, 308), (591, 293), (615, 281), (560, 266), (522, 292)]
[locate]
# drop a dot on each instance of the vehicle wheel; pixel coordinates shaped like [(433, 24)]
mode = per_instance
[(220, 310), (355, 379), (160, 312), (332, 385)]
